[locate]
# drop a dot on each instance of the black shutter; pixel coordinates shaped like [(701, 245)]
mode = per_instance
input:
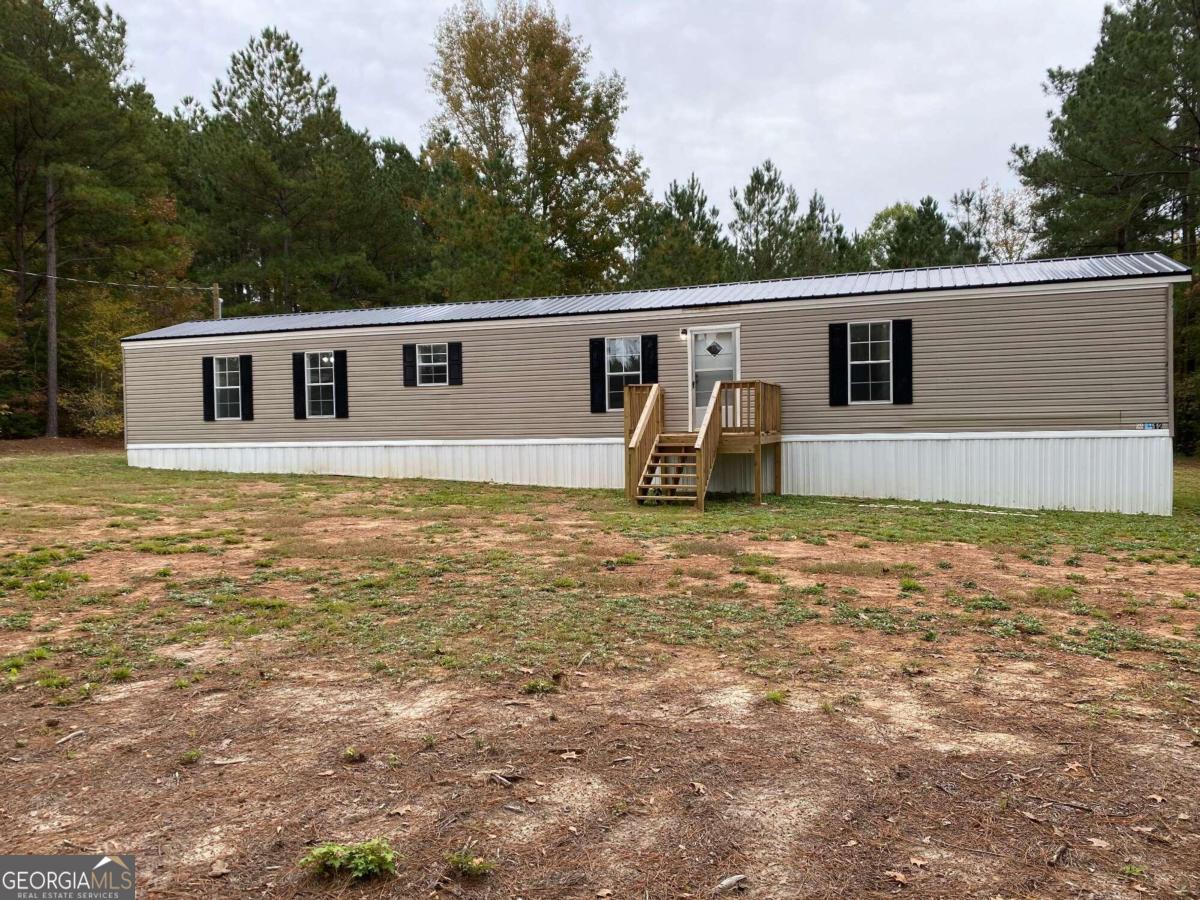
[(596, 361), (455, 353), (341, 389), (299, 402), (649, 359), (902, 385), (210, 412), (410, 365), (246, 363), (839, 376)]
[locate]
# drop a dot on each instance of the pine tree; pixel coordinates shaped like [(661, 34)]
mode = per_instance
[(773, 239), (903, 236), (291, 208), (765, 225), (1122, 167), (485, 246), (679, 240), (82, 188)]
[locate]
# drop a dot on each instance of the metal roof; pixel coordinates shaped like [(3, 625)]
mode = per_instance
[(859, 284)]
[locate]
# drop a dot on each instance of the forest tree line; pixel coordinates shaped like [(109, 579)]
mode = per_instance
[(520, 188)]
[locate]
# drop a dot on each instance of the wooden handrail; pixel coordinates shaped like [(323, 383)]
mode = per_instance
[(748, 407), (644, 422), (744, 410), (708, 444), (649, 400)]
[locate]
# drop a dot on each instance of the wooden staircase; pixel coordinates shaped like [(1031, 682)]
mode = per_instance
[(675, 467), (671, 472)]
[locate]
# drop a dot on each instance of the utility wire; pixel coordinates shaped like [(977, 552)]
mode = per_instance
[(153, 287)]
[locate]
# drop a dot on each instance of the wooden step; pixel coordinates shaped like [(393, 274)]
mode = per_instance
[(678, 437), (669, 498)]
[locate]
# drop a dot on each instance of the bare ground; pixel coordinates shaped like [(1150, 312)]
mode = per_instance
[(870, 760)]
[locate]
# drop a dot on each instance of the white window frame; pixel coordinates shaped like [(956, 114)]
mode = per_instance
[(641, 368), (217, 388), (850, 364), (420, 365), (309, 384)]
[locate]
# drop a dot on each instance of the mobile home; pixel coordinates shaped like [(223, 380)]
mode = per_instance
[(1035, 384)]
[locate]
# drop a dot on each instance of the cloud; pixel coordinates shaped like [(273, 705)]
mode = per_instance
[(868, 101)]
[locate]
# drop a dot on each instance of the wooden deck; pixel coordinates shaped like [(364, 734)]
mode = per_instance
[(660, 466)]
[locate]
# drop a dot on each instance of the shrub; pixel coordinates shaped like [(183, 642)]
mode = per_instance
[(1187, 413), (464, 862), (366, 860), (539, 686), (93, 411)]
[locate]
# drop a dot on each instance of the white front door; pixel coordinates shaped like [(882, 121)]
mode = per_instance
[(713, 355)]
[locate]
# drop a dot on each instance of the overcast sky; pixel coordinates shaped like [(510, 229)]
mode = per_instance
[(868, 101)]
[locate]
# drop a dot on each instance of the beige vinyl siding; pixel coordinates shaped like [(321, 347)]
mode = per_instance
[(983, 360)]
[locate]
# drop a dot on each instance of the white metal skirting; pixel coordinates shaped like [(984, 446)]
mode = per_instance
[(592, 463), (1115, 471)]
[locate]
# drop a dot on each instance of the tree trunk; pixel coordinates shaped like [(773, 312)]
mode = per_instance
[(51, 311)]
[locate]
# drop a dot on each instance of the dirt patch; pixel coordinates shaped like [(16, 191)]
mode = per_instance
[(595, 710), (594, 790)]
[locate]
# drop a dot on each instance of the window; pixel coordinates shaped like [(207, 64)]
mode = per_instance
[(870, 362), (318, 384), (622, 366), (227, 387), (433, 364)]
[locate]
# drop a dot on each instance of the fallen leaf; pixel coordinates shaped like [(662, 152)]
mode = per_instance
[(1141, 829), (1073, 766), (697, 787), (918, 862), (730, 882), (1183, 817), (1157, 798), (898, 877), (850, 843), (218, 869), (1031, 817), (1098, 843), (604, 892), (570, 754), (326, 773)]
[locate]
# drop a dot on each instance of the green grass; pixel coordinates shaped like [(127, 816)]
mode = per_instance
[(426, 600)]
